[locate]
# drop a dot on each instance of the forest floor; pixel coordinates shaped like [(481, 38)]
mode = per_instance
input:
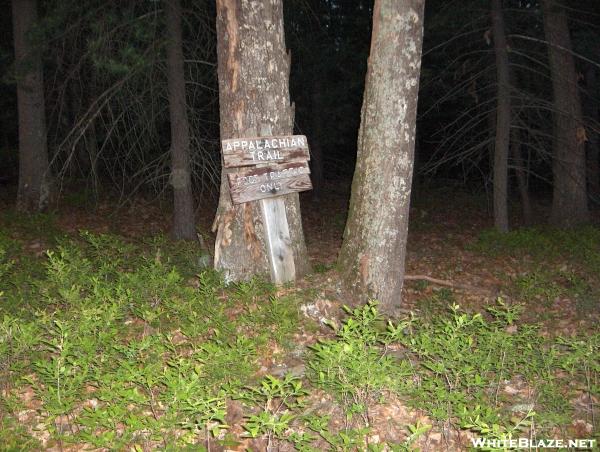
[(113, 337)]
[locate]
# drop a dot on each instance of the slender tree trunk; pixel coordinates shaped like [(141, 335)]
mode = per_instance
[(87, 147), (593, 118), (91, 136), (316, 148), (253, 70), (91, 144), (183, 206), (34, 170), (521, 176), (569, 205), (520, 166), (502, 140), (416, 187), (374, 248), (491, 121)]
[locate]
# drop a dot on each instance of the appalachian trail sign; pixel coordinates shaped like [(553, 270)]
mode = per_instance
[(254, 151), (263, 169)]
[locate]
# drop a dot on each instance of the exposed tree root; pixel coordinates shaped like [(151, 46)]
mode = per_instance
[(445, 283)]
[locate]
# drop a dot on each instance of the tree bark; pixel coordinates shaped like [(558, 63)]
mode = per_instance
[(183, 201), (569, 204), (253, 71), (34, 170), (502, 140), (374, 247)]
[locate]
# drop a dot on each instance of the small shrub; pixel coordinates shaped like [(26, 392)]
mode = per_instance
[(538, 286), (355, 366)]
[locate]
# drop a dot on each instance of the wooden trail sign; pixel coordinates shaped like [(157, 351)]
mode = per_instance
[(271, 166), (254, 151), (261, 182)]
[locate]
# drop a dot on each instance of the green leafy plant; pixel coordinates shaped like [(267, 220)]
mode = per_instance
[(355, 366), (538, 286), (116, 348), (193, 404), (322, 268), (516, 426), (276, 399)]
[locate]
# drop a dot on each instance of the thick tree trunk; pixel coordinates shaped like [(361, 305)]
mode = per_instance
[(34, 171), (253, 70), (569, 205), (374, 247), (183, 205), (502, 140)]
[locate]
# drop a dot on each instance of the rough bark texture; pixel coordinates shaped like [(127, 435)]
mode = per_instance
[(34, 172), (253, 70), (183, 206), (569, 205), (502, 140), (373, 252)]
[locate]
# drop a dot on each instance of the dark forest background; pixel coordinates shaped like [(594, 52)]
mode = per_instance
[(107, 106)]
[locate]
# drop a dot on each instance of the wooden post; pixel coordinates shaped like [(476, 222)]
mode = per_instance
[(277, 234), (277, 237)]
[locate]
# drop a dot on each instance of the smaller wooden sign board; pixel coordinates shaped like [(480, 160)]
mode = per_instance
[(255, 151), (251, 184)]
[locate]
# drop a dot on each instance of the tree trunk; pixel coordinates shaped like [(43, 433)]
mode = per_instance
[(374, 247), (253, 70), (593, 119), (91, 146), (91, 136), (316, 148), (416, 180), (34, 170), (502, 140), (569, 205), (520, 166), (521, 174), (183, 205)]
